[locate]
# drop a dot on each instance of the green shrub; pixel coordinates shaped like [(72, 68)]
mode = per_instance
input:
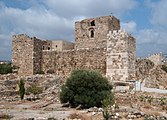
[(5, 116), (50, 71), (34, 90), (40, 72), (52, 118), (86, 88), (5, 68), (164, 68), (21, 89), (108, 106)]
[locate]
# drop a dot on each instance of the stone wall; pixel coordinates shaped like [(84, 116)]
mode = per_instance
[(66, 61), (157, 59), (121, 56), (60, 45), (22, 54), (9, 76), (92, 33), (37, 55)]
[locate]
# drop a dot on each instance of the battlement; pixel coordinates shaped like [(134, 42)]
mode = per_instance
[(121, 33), (20, 36)]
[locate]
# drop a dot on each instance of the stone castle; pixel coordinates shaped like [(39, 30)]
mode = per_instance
[(99, 45)]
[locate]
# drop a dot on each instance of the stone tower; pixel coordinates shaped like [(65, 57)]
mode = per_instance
[(26, 54), (92, 33), (121, 56)]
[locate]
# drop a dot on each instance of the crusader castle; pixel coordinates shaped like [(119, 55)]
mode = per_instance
[(99, 45)]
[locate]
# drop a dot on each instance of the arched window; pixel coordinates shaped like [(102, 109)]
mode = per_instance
[(92, 23), (43, 47), (92, 33)]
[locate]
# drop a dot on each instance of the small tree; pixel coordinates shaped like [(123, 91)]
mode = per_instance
[(86, 88), (21, 89)]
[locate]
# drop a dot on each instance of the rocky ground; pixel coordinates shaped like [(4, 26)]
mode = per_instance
[(129, 105), (153, 75)]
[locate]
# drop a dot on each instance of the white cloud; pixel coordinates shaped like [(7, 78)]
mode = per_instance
[(159, 14), (89, 8), (147, 36), (130, 27), (154, 39)]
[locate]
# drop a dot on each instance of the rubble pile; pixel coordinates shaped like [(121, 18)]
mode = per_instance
[(152, 75), (9, 89)]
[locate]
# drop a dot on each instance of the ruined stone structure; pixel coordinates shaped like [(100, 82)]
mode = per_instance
[(92, 33), (99, 45), (121, 48), (157, 59)]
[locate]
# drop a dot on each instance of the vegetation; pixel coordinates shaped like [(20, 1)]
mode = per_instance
[(21, 89), (40, 72), (5, 68), (5, 116), (50, 71), (85, 88), (108, 106), (34, 90), (164, 68), (162, 101), (52, 118)]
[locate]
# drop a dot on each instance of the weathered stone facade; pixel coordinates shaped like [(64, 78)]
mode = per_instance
[(112, 55), (92, 33), (22, 53), (157, 59), (121, 48), (66, 61)]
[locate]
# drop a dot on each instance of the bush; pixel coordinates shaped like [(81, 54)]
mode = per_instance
[(34, 90), (164, 68), (5, 116), (21, 89), (40, 72), (86, 88), (50, 71), (5, 68)]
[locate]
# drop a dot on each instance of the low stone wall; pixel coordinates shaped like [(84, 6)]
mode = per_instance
[(62, 63), (8, 76)]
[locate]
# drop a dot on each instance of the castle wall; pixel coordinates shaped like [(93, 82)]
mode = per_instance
[(37, 55), (111, 53), (120, 56), (92, 33), (66, 61), (22, 54), (59, 45)]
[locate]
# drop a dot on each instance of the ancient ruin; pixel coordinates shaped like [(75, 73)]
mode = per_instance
[(99, 45)]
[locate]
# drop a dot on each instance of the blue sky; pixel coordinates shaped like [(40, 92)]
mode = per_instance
[(146, 20)]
